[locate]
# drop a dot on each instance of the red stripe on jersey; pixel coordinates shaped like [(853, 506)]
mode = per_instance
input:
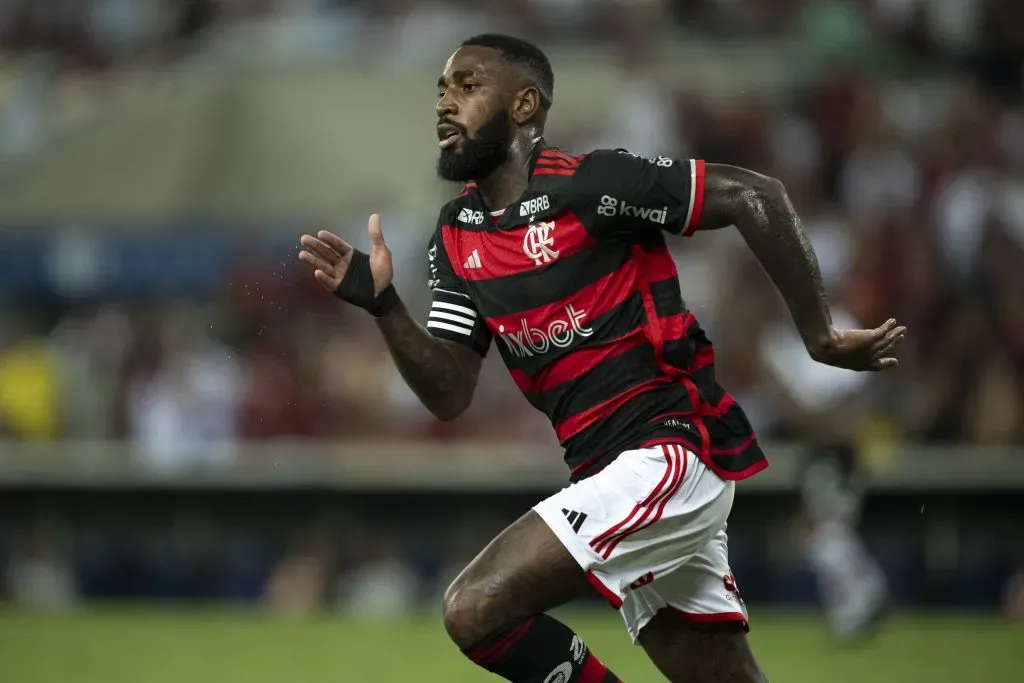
[(541, 170), (589, 302), (571, 426), (698, 197), (657, 263), (676, 326), (577, 363), (517, 250), (704, 357), (555, 154), (555, 161)]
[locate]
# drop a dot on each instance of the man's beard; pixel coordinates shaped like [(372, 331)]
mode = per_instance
[(478, 157)]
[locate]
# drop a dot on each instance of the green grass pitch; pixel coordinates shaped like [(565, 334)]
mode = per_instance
[(152, 645)]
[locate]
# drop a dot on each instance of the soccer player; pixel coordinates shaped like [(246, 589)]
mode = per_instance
[(852, 585), (560, 261)]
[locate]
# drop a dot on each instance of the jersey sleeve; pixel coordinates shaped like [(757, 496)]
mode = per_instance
[(452, 313), (633, 193)]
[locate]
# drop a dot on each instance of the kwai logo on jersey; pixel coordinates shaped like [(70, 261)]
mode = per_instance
[(526, 341), (610, 206), (471, 217), (534, 206), (538, 243)]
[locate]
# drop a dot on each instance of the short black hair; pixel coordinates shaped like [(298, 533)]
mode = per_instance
[(527, 56)]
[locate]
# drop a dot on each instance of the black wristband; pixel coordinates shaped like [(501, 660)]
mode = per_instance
[(385, 302), (357, 288), (357, 285)]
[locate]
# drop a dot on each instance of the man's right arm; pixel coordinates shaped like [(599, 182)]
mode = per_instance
[(442, 364), (442, 373)]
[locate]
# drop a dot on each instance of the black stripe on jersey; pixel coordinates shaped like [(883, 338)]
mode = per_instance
[(626, 428), (613, 324), (513, 294), (679, 353), (668, 300), (604, 382)]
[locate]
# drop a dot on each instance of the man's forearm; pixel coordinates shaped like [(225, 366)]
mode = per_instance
[(760, 208), (429, 367)]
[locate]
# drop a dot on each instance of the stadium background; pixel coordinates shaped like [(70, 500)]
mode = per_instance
[(210, 470)]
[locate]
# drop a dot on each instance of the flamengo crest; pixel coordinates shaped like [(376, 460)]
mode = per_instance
[(539, 242)]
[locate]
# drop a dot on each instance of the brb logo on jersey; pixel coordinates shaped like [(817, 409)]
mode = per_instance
[(610, 206), (534, 206), (471, 217), (527, 341), (539, 243)]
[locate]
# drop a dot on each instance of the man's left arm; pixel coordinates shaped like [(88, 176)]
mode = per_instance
[(760, 209), (694, 195)]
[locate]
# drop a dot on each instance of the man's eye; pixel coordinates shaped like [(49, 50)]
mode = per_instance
[(469, 87)]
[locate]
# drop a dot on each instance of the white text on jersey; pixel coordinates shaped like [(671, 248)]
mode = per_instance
[(530, 341), (471, 217), (534, 206), (610, 206)]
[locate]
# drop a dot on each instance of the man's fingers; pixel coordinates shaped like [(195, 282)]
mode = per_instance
[(884, 364), (331, 282), (321, 249), (889, 342), (885, 329), (334, 242), (315, 261), (376, 233)]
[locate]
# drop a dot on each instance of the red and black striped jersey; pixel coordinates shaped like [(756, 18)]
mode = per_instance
[(575, 285)]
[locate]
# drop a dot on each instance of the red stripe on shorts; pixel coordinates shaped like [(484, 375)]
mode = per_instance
[(680, 456), (654, 504)]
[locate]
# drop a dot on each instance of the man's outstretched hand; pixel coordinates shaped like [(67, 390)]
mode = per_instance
[(331, 258), (862, 349)]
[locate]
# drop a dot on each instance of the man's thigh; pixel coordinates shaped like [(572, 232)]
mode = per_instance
[(525, 570), (693, 622), (689, 652)]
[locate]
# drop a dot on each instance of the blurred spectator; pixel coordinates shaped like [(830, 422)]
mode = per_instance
[(900, 139)]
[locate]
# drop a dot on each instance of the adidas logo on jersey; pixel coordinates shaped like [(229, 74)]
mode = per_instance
[(473, 261), (471, 217)]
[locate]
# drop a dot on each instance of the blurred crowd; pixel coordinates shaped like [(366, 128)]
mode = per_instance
[(901, 143)]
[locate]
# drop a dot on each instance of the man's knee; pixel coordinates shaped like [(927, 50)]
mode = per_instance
[(472, 611)]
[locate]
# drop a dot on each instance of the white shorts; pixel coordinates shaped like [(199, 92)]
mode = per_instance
[(649, 531)]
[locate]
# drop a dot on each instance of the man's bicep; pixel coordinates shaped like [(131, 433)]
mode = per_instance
[(729, 191)]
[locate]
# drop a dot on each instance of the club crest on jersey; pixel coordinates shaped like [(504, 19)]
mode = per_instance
[(534, 206), (539, 243), (470, 217)]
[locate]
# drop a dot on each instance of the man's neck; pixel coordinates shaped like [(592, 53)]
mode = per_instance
[(509, 181)]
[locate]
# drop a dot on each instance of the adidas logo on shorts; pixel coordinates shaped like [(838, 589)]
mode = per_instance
[(575, 518)]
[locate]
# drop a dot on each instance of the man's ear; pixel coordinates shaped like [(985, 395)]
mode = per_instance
[(526, 106)]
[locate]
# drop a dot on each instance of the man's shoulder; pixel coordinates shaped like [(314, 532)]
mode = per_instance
[(460, 210), (604, 168)]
